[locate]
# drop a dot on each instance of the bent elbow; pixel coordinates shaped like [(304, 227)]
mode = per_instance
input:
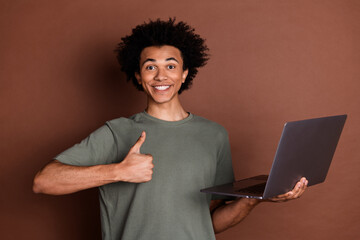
[(37, 184), (36, 189), (42, 185), (44, 180)]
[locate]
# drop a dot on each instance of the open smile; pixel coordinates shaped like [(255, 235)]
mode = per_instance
[(162, 87)]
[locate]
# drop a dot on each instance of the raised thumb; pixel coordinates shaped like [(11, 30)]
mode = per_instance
[(139, 143)]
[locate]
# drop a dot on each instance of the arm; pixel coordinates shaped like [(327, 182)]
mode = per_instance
[(228, 215), (57, 178)]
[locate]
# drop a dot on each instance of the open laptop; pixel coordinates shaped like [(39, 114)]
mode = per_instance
[(305, 149)]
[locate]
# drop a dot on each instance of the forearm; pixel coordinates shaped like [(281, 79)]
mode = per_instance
[(230, 214), (57, 178)]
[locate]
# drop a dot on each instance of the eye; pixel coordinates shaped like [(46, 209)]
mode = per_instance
[(171, 67), (150, 67)]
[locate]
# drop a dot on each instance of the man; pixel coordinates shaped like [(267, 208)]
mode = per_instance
[(150, 167)]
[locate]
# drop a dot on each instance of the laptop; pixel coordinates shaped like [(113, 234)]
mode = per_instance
[(305, 149)]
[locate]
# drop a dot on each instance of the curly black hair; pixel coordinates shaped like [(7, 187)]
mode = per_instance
[(159, 33)]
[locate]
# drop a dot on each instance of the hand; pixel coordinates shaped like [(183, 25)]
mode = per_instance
[(297, 191), (137, 167)]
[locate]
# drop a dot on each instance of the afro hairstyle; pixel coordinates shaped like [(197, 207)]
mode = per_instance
[(159, 33)]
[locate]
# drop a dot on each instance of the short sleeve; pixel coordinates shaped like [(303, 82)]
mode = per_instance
[(224, 170), (98, 148)]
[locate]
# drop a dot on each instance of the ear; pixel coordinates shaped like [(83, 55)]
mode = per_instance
[(138, 77), (184, 75)]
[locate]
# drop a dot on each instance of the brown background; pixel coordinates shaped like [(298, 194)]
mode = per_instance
[(272, 61)]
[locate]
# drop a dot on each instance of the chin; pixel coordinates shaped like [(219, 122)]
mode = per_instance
[(163, 99)]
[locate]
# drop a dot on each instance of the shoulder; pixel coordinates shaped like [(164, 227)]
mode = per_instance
[(124, 122), (208, 123), (126, 130), (210, 126)]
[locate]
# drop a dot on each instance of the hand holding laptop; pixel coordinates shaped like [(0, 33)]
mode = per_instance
[(305, 149), (296, 192), (304, 152), (231, 213)]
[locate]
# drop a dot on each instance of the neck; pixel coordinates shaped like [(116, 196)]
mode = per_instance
[(170, 111)]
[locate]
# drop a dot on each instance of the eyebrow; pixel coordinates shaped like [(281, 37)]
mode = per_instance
[(169, 59), (153, 60)]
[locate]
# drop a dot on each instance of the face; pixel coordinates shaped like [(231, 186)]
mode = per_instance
[(161, 73)]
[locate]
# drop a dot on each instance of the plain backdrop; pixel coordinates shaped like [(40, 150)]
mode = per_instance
[(272, 61)]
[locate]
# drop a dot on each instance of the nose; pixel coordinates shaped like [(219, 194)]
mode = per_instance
[(160, 75)]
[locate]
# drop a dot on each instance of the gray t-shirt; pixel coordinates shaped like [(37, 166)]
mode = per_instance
[(189, 155)]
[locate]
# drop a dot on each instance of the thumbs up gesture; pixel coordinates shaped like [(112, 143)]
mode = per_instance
[(137, 167)]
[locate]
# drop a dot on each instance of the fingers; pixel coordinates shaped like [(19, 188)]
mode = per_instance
[(296, 192), (282, 197), (145, 170), (139, 143), (137, 167), (300, 188)]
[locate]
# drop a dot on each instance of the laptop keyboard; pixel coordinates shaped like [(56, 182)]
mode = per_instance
[(256, 189)]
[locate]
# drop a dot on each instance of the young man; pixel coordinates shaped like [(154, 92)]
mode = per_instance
[(150, 185)]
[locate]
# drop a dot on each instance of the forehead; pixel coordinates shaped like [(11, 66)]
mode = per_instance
[(159, 53)]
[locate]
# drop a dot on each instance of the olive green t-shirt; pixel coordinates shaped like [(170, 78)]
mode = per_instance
[(189, 155)]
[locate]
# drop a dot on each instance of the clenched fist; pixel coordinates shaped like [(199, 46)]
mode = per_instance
[(137, 167)]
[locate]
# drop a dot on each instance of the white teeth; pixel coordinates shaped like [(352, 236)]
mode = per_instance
[(162, 87)]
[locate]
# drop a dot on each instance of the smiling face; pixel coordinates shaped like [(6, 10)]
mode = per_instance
[(161, 73)]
